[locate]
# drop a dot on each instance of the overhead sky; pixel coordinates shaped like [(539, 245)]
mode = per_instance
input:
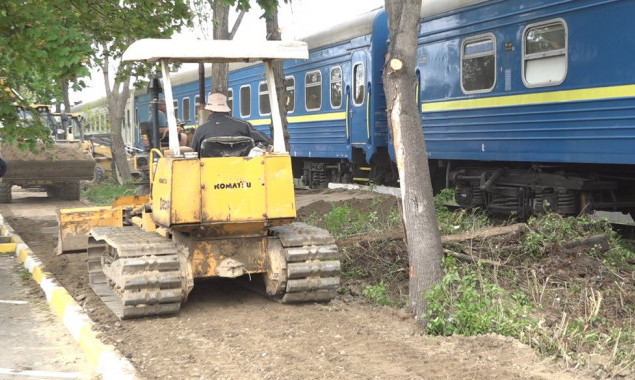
[(297, 19)]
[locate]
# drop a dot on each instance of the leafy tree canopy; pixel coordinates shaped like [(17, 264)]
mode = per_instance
[(45, 42)]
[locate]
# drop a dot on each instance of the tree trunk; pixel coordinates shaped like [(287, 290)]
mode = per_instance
[(65, 97), (273, 34), (220, 32), (425, 251), (117, 97)]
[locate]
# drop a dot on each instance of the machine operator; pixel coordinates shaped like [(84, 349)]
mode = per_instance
[(220, 124)]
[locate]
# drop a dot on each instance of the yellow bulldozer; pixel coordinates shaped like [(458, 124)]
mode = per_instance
[(230, 216), (58, 169)]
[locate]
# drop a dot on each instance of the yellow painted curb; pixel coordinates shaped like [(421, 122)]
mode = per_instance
[(108, 362), (8, 247)]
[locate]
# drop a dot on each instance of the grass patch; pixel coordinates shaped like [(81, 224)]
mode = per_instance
[(107, 191)]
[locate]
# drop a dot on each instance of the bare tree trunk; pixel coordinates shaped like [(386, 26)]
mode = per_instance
[(65, 97), (425, 251), (273, 33), (221, 32), (117, 98)]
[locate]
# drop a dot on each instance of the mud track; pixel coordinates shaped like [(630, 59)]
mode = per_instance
[(224, 331)]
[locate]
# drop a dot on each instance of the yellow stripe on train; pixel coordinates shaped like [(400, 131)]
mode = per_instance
[(305, 118), (596, 93)]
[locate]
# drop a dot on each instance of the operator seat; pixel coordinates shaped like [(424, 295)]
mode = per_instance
[(226, 146)]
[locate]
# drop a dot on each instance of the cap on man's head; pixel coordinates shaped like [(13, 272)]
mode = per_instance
[(162, 101), (217, 102)]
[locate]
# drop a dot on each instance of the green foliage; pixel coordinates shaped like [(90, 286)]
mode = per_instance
[(466, 303), (454, 222), (106, 192), (377, 294), (344, 221), (45, 43), (552, 229)]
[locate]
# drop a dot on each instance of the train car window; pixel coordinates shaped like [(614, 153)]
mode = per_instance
[(545, 53), (136, 116), (263, 99), (186, 109), (478, 64), (336, 87), (245, 101), (175, 104), (230, 99), (313, 90), (197, 107), (359, 83), (289, 83)]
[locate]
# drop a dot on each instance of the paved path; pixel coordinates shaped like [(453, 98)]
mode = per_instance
[(34, 344)]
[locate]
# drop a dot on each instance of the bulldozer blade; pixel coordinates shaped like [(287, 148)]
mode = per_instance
[(75, 224)]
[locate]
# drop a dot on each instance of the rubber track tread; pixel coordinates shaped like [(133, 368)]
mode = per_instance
[(313, 267), (135, 273)]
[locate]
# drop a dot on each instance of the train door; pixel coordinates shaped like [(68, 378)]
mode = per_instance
[(360, 133)]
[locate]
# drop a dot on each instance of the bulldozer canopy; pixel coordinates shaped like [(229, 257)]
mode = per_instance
[(183, 50)]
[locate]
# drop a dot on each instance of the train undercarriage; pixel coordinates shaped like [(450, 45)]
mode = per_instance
[(316, 173), (521, 189), (532, 189)]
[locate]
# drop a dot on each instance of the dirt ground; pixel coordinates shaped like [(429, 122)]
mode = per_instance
[(227, 332)]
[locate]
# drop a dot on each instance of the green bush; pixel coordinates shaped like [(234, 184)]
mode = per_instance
[(454, 222), (344, 221), (107, 191), (377, 294), (465, 303)]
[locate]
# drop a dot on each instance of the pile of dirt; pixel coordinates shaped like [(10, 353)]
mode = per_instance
[(56, 152)]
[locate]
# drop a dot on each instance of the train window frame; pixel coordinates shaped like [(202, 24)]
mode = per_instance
[(292, 88), (564, 52), (263, 94), (355, 82), (175, 104), (476, 39), (240, 98), (331, 82), (185, 109), (197, 108), (230, 100), (306, 88)]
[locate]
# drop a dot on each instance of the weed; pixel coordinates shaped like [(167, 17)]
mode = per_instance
[(460, 220), (106, 192), (465, 303), (344, 221), (377, 294)]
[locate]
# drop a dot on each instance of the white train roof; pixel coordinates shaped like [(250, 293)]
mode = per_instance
[(435, 7)]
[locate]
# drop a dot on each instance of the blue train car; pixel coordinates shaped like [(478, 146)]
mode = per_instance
[(531, 105), (336, 135)]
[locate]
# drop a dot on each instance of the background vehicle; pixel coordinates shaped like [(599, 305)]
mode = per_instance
[(58, 169), (224, 216)]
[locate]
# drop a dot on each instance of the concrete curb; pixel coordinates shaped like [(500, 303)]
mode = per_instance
[(394, 191), (108, 362)]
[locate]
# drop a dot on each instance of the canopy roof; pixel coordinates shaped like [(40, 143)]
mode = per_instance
[(184, 50)]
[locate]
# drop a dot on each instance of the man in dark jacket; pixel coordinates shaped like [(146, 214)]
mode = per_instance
[(220, 124)]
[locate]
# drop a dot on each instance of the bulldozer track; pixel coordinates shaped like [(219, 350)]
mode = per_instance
[(136, 273), (312, 265)]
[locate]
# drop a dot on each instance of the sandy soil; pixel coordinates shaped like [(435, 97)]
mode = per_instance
[(225, 331)]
